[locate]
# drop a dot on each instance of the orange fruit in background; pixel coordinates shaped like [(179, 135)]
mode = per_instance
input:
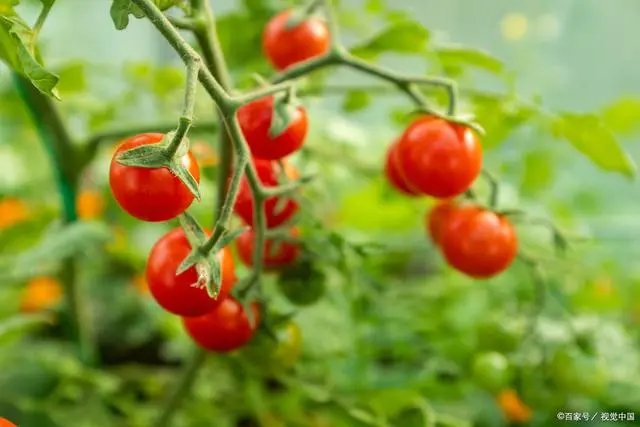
[(140, 283), (90, 205), (205, 153), (40, 293), (12, 211), (512, 407), (6, 423)]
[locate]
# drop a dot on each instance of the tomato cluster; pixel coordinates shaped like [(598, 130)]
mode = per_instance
[(440, 159)]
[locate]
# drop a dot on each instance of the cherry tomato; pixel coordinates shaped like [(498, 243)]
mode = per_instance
[(276, 211), (478, 242), (90, 205), (438, 158), (224, 329), (255, 122), (491, 371), (500, 334), (437, 217), (287, 46), (302, 283), (40, 293), (289, 346), (6, 423), (284, 253), (13, 212), (513, 408), (576, 372), (150, 194), (176, 294), (394, 177)]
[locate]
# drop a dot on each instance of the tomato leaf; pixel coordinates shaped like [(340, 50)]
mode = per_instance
[(72, 78), (623, 116), (16, 48), (588, 135), (356, 100), (400, 37), (284, 113), (120, 11), (22, 324), (458, 56), (538, 171)]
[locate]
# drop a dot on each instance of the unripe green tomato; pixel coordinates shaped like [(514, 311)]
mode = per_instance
[(491, 371), (576, 372), (302, 284), (289, 346), (500, 335)]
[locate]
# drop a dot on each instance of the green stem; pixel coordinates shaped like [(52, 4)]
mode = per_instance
[(182, 388), (57, 140), (189, 104)]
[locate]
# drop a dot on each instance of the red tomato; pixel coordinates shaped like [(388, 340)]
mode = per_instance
[(438, 158), (437, 217), (224, 329), (6, 423), (478, 242), (287, 46), (176, 294), (150, 194), (255, 121), (243, 206), (393, 174), (285, 252)]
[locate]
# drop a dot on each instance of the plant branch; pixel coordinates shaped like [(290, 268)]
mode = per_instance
[(187, 113), (58, 143)]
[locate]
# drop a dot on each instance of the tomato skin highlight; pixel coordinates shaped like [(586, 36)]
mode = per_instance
[(438, 158), (478, 242), (393, 174), (255, 121), (284, 46), (224, 329), (285, 254), (174, 293), (150, 194), (266, 171), (437, 217)]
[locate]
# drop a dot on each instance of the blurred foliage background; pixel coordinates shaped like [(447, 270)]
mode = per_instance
[(397, 336)]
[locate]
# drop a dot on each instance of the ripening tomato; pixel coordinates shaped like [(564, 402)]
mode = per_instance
[(277, 210), (576, 372), (513, 408), (12, 212), (226, 328), (287, 46), (391, 171), (255, 122), (478, 242), (436, 218), (40, 293), (150, 194), (439, 158), (6, 423), (283, 253), (176, 294)]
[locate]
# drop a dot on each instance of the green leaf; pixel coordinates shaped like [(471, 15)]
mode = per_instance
[(375, 7), (72, 78), (284, 113), (356, 100), (457, 56), (538, 171), (588, 135), (400, 37), (120, 11), (70, 240), (16, 40), (623, 116), (22, 324)]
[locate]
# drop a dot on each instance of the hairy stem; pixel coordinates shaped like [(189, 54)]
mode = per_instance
[(58, 143)]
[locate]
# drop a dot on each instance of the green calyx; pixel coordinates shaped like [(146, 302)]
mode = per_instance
[(285, 108), (168, 154), (204, 254)]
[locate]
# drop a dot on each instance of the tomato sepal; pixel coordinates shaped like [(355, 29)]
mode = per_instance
[(284, 114), (154, 156)]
